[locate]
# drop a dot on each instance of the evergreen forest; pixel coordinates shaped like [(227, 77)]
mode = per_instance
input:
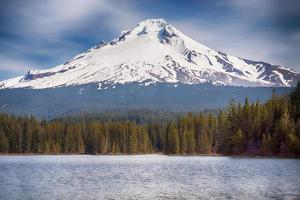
[(271, 128)]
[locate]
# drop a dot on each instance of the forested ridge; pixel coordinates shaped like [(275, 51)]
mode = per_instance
[(270, 128)]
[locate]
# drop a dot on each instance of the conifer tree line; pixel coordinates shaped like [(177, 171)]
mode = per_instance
[(270, 128)]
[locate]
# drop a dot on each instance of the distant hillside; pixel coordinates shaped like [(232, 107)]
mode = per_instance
[(57, 102)]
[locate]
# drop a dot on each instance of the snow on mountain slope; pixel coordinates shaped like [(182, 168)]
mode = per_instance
[(155, 51)]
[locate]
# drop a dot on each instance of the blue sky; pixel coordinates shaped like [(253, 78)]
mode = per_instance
[(41, 34)]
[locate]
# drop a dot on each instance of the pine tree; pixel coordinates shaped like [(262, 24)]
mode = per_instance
[(182, 130), (295, 101), (204, 144), (172, 140), (143, 140), (266, 145), (238, 142), (245, 125), (224, 136), (213, 133), (3, 143), (132, 137), (190, 142)]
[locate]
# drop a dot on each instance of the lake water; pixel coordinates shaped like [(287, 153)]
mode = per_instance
[(148, 177)]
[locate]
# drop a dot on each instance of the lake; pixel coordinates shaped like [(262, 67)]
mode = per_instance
[(148, 177)]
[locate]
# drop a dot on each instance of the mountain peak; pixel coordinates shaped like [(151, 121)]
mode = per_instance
[(151, 26), (155, 51), (159, 21)]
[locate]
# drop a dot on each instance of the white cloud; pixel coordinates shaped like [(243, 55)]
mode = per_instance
[(15, 65), (53, 18), (45, 26)]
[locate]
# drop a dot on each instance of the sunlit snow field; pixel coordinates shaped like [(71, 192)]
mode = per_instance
[(148, 177)]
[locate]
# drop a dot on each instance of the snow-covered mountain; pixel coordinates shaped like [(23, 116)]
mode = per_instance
[(155, 52)]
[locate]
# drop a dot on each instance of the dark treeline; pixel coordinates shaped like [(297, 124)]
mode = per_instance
[(271, 128), (139, 116)]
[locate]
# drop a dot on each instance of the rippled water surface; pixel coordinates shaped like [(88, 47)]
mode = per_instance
[(148, 177)]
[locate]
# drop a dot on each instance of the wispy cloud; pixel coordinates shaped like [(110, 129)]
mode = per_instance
[(53, 18), (45, 28), (12, 65)]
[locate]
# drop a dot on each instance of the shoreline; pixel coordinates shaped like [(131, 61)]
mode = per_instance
[(159, 154)]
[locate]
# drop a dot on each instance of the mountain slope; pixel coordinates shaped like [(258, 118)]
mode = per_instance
[(155, 52)]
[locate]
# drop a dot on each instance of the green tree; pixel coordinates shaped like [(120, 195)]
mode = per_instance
[(266, 144), (132, 135), (172, 140), (190, 142), (204, 143), (295, 101), (238, 142), (3, 143)]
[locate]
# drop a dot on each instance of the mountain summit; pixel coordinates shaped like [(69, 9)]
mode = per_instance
[(155, 52)]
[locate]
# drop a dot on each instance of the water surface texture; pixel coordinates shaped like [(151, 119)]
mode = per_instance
[(148, 177)]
